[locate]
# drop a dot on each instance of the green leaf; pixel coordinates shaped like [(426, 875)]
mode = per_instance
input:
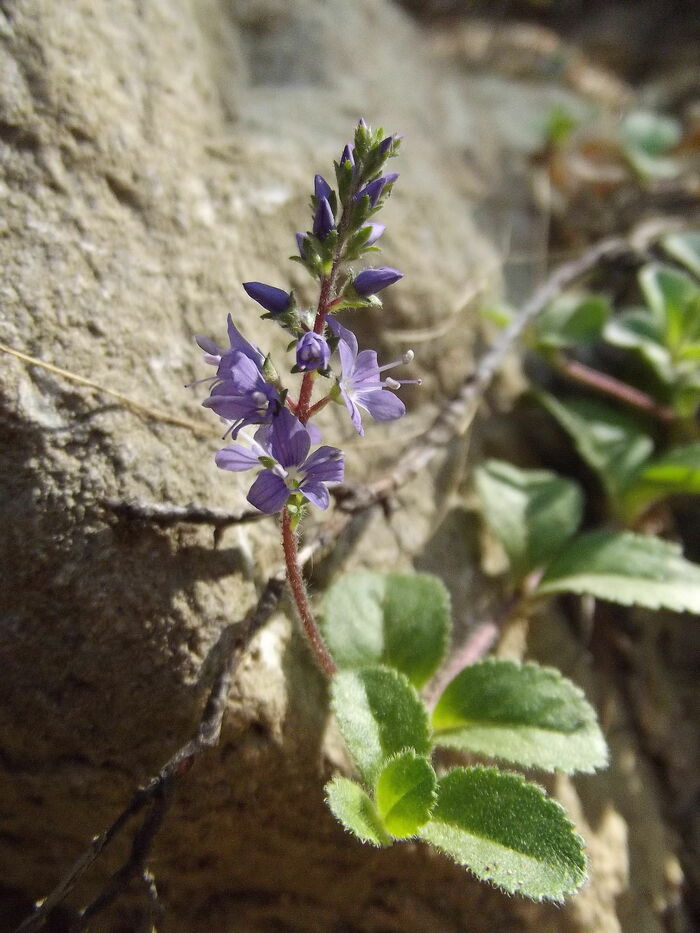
[(673, 299), (379, 714), (507, 831), (636, 329), (352, 807), (532, 512), (526, 714), (684, 248), (626, 568), (572, 319), (610, 441), (406, 793), (675, 473), (400, 620), (646, 138), (650, 132)]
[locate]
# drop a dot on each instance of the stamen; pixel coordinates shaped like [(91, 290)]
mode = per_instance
[(406, 358), (198, 382)]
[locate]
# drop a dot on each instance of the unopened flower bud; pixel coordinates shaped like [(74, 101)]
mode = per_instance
[(321, 187), (324, 221), (313, 352), (371, 281), (274, 300)]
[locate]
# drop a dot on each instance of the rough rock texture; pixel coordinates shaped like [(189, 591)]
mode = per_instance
[(153, 154)]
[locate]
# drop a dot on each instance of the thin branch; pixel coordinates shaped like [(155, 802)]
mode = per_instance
[(165, 515), (143, 410)]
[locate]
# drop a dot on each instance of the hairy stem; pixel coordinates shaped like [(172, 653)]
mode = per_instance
[(298, 588)]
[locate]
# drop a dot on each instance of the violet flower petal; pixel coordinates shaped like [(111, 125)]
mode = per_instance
[(327, 465), (316, 493), (382, 404), (236, 458), (290, 440), (268, 493)]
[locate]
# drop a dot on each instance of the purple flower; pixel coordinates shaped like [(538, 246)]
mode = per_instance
[(385, 145), (321, 187), (347, 156), (240, 393), (313, 352), (213, 353), (374, 189), (360, 384), (376, 231), (371, 281), (274, 300), (286, 442), (324, 221)]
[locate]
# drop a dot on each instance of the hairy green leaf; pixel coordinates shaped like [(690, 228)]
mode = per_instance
[(352, 807), (572, 319), (626, 568), (406, 793), (532, 512), (610, 441), (526, 714), (400, 620), (505, 830), (379, 714)]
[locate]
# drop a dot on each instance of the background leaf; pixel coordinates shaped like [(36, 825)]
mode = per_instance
[(672, 297), (684, 248), (675, 473), (379, 714), (610, 441), (352, 807), (507, 831), (406, 793), (400, 620), (573, 318), (526, 714), (532, 512), (626, 568)]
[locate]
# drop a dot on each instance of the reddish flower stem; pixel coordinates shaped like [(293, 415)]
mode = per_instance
[(298, 588), (611, 386)]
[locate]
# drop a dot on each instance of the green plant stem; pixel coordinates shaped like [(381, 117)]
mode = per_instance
[(609, 385), (298, 587)]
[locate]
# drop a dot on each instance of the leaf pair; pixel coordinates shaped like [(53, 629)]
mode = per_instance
[(388, 634)]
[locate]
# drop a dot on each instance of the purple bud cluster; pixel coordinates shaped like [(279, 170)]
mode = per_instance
[(247, 389)]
